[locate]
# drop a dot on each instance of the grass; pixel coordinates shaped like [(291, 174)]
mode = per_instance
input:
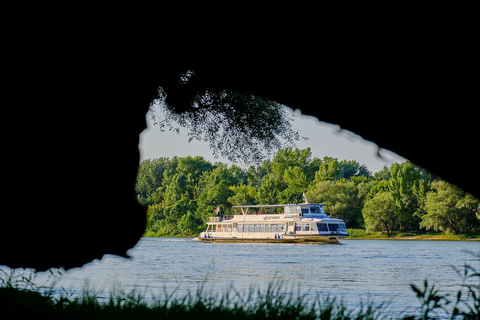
[(273, 304), (396, 235), (20, 298)]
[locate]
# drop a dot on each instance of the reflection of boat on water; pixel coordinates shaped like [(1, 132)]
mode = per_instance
[(305, 222)]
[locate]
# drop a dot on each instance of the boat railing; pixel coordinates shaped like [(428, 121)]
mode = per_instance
[(263, 212), (229, 217)]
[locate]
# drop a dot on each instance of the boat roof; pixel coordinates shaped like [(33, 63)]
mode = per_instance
[(276, 205)]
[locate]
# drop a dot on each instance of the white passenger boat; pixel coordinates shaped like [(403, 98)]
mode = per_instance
[(305, 222)]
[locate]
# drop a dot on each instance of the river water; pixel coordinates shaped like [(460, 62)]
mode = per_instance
[(353, 271)]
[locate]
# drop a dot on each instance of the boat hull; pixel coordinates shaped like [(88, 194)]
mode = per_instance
[(286, 239)]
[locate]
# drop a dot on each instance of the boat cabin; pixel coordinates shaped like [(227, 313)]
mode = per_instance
[(289, 209)]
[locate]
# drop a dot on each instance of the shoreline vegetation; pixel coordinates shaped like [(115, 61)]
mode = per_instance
[(21, 298), (361, 234), (400, 201)]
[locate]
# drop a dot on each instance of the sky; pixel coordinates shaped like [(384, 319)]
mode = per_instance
[(324, 139)]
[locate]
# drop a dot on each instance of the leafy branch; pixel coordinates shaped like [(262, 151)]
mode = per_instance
[(239, 127)]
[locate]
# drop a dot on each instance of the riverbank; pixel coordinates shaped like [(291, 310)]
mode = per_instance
[(360, 234)]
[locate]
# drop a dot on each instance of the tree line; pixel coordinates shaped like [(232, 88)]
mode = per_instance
[(181, 193)]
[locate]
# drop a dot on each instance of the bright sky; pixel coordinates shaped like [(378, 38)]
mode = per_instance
[(324, 139)]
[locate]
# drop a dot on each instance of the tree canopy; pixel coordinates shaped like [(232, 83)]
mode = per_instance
[(240, 127)]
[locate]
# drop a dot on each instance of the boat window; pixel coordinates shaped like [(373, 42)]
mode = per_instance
[(343, 228), (315, 209), (302, 227), (313, 227), (333, 227), (292, 210), (262, 228), (219, 227), (322, 226), (267, 228), (250, 228), (284, 227), (245, 228), (229, 228), (239, 228), (256, 228), (305, 210)]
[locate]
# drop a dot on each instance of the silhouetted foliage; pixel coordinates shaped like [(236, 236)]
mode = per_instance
[(237, 126)]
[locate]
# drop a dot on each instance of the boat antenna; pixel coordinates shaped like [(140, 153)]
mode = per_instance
[(305, 197)]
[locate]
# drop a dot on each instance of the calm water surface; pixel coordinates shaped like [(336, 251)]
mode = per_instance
[(356, 270)]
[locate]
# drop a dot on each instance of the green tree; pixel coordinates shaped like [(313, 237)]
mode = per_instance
[(287, 176), (320, 192), (237, 175), (421, 192), (351, 168), (193, 168), (379, 213), (149, 177), (285, 158), (270, 187), (403, 186), (163, 221), (383, 174), (450, 209), (378, 186), (328, 170), (175, 187), (364, 185), (189, 224), (154, 214), (242, 195), (296, 183), (221, 172), (256, 174), (213, 197)]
